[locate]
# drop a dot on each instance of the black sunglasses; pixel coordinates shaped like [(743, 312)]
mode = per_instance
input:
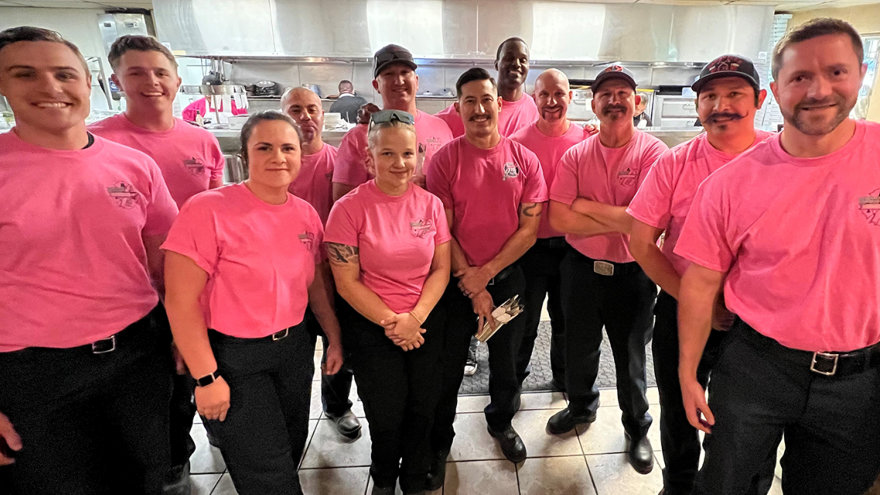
[(389, 116)]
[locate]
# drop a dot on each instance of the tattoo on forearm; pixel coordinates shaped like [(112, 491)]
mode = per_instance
[(342, 253), (528, 209)]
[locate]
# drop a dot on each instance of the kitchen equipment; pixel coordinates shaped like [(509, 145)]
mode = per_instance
[(674, 112), (332, 120), (265, 88), (314, 88)]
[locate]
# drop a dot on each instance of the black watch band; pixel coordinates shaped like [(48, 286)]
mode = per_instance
[(207, 379)]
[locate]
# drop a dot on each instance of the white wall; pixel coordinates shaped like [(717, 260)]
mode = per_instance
[(79, 26)]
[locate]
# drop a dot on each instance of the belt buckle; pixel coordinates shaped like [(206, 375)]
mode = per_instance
[(98, 345), (825, 356), (603, 268), (280, 334)]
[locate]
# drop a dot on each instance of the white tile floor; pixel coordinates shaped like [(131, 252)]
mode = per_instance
[(588, 461)]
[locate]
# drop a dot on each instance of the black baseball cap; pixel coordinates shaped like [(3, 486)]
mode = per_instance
[(727, 66), (615, 71), (392, 54)]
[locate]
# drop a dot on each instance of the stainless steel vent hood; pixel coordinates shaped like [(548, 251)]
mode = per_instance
[(461, 29)]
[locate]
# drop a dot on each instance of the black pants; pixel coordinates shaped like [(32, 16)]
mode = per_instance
[(90, 423), (623, 304), (761, 390), (680, 440), (399, 391), (335, 389), (504, 386), (266, 427), (541, 266)]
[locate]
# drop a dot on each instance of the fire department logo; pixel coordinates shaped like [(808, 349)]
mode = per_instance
[(123, 194), (308, 240), (194, 165), (627, 177), (870, 207), (726, 63), (422, 228), (511, 170)]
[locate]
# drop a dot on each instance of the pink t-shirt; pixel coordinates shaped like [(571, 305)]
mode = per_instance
[(396, 237), (607, 175), (260, 258), (431, 133), (313, 182), (200, 107), (514, 116), (549, 150), (484, 189), (74, 267), (798, 240), (188, 156), (664, 198)]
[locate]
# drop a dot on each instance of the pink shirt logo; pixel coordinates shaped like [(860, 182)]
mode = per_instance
[(194, 165), (627, 177), (870, 206), (124, 194), (511, 170), (422, 228), (308, 240)]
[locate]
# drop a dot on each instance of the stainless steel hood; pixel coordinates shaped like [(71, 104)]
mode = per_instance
[(462, 29)]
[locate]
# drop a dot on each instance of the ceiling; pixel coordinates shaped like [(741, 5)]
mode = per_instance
[(781, 5)]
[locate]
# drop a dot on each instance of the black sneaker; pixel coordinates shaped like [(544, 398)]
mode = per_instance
[(565, 421)]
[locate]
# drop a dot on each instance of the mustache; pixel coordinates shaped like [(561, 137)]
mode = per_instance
[(724, 115), (612, 108)]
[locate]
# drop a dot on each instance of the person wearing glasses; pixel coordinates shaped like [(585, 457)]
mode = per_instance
[(242, 264), (388, 244), (394, 78)]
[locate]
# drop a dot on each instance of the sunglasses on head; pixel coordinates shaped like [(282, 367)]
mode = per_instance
[(389, 116)]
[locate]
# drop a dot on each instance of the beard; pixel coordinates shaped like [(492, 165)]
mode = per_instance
[(818, 125)]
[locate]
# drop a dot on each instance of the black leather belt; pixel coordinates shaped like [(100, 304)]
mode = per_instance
[(551, 242), (609, 268), (823, 363), (111, 343), (279, 335)]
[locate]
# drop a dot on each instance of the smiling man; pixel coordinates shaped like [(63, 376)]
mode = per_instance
[(518, 109), (85, 369), (191, 162), (728, 96), (493, 193), (602, 284), (395, 80), (803, 358)]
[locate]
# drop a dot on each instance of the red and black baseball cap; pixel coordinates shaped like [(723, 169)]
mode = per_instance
[(615, 71), (392, 54), (727, 66)]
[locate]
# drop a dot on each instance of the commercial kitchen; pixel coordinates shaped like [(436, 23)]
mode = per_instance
[(250, 51)]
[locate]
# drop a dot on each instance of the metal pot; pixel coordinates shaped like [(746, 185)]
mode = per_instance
[(266, 88)]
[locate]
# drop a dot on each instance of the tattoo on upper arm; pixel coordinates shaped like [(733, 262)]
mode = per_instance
[(342, 253), (528, 209)]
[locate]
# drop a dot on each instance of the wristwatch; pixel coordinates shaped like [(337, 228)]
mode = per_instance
[(207, 379)]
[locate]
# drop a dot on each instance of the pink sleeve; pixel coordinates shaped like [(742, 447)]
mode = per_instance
[(653, 201), (437, 176), (161, 209), (442, 235), (194, 108), (565, 183), (194, 235), (341, 226), (318, 250), (704, 238), (535, 190), (219, 161), (349, 167), (656, 148)]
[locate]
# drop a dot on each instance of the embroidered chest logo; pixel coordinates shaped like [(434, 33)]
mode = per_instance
[(511, 171), (870, 206), (422, 228), (308, 240), (194, 165), (123, 194), (627, 177)]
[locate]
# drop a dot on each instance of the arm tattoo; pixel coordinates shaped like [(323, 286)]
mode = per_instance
[(342, 253), (528, 209)]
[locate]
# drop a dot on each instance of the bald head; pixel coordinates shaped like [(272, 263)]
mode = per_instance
[(304, 106), (552, 96)]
